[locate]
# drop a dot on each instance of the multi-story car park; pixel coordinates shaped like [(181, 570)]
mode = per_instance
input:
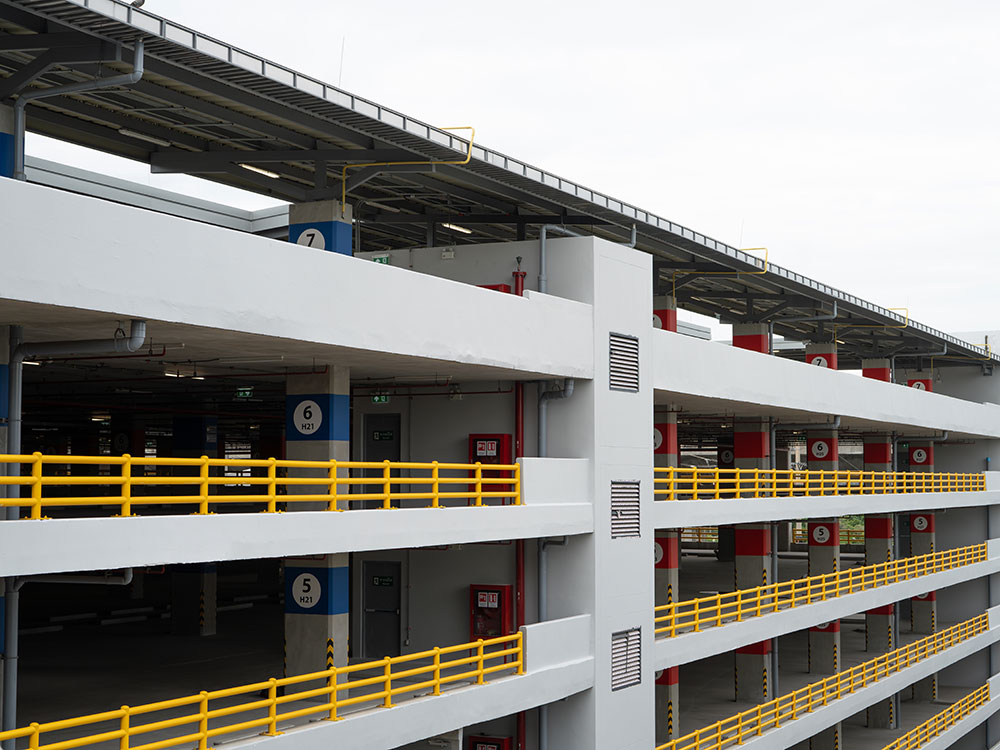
[(483, 492)]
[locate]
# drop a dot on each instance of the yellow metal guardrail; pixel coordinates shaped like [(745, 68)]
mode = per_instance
[(940, 722), (800, 535), (695, 615), (677, 483), (421, 674), (755, 721), (216, 481)]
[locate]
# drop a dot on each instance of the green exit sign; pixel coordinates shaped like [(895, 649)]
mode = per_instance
[(382, 581), (383, 259), (246, 392), (380, 398)]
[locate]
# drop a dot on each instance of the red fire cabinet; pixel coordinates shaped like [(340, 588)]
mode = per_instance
[(481, 742), (491, 610), (492, 448)]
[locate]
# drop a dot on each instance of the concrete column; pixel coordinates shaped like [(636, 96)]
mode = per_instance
[(822, 355), (752, 336), (665, 313), (128, 435), (753, 563), (824, 557), (324, 225), (923, 608), (880, 622), (823, 451), (317, 605), (665, 445), (828, 739), (922, 456), (6, 143), (4, 415), (921, 380), (876, 369), (667, 581), (878, 452), (193, 596), (752, 675)]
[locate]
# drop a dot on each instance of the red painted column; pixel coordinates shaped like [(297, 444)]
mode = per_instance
[(752, 336), (753, 563), (879, 622), (665, 444), (923, 608), (922, 381), (822, 355), (824, 557), (922, 456), (665, 313), (876, 369)]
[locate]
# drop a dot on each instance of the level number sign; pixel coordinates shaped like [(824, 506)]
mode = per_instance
[(820, 361), (821, 534), (920, 523), (657, 552), (919, 456), (820, 449), (308, 417), (920, 385), (312, 238), (306, 590), (657, 438), (726, 456)]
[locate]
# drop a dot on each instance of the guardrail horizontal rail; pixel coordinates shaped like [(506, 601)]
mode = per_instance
[(754, 722), (678, 483), (212, 482), (854, 537), (368, 685), (694, 615), (940, 722)]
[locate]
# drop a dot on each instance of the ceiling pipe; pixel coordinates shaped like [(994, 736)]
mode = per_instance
[(632, 238), (892, 359), (126, 79), (796, 427), (543, 281)]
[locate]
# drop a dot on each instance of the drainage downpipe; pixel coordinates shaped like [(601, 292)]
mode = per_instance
[(126, 79), (892, 359), (543, 584), (543, 281), (809, 319), (19, 353)]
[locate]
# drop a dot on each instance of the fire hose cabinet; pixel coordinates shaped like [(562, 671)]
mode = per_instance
[(492, 448), (482, 742), (491, 610)]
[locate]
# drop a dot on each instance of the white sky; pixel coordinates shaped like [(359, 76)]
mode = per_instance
[(857, 140)]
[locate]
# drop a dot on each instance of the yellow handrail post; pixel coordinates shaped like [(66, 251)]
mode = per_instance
[(272, 485), (126, 509), (435, 485), (332, 477), (479, 483), (480, 651), (203, 720), (387, 682), (272, 709), (331, 685), (123, 727), (387, 485), (520, 652), (36, 486), (203, 505), (437, 670), (34, 738), (517, 483)]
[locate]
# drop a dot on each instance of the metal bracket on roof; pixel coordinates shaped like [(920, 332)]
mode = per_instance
[(83, 51)]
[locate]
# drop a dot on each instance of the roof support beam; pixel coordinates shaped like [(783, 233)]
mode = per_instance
[(91, 52), (166, 162), (461, 218)]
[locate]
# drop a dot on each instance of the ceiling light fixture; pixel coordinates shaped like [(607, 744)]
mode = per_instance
[(31, 362), (143, 137), (382, 206), (457, 228), (260, 170)]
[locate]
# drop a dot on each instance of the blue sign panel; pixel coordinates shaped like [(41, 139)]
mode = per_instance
[(317, 591), (334, 236), (323, 416)]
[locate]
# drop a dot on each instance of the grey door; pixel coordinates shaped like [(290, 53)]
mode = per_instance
[(381, 444), (380, 599)]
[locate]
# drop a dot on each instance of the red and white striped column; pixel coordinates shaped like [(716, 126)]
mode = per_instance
[(824, 557), (922, 456), (665, 313), (822, 355), (665, 444), (923, 608), (922, 381), (753, 564), (876, 369), (752, 336), (667, 581)]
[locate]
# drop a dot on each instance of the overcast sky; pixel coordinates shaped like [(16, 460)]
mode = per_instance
[(857, 140)]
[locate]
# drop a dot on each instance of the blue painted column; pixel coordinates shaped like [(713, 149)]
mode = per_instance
[(6, 142), (317, 607), (324, 225)]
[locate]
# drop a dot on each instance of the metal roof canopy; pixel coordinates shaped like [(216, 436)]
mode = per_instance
[(204, 107)]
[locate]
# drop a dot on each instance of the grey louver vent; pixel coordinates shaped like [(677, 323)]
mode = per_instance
[(626, 658), (624, 362), (624, 509)]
